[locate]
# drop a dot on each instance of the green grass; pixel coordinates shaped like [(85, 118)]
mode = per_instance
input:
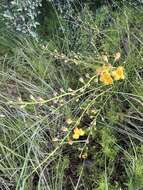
[(44, 84)]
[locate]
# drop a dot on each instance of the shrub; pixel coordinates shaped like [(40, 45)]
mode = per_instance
[(21, 15)]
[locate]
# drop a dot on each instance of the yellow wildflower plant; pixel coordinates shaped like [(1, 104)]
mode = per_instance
[(78, 132), (107, 73), (106, 78), (118, 73)]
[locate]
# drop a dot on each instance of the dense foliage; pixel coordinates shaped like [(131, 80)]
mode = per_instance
[(22, 15)]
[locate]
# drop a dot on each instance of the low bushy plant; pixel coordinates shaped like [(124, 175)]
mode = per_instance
[(22, 15)]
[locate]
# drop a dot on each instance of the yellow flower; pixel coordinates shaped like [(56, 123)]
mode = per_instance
[(106, 78), (118, 74), (75, 136), (78, 132)]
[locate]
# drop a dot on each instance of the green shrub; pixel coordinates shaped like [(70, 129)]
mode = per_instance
[(21, 15)]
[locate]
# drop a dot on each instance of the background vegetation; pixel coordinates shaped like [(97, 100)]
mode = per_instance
[(50, 86)]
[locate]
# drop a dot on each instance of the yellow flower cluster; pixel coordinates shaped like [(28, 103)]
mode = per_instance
[(106, 78), (78, 132), (108, 74), (118, 73)]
